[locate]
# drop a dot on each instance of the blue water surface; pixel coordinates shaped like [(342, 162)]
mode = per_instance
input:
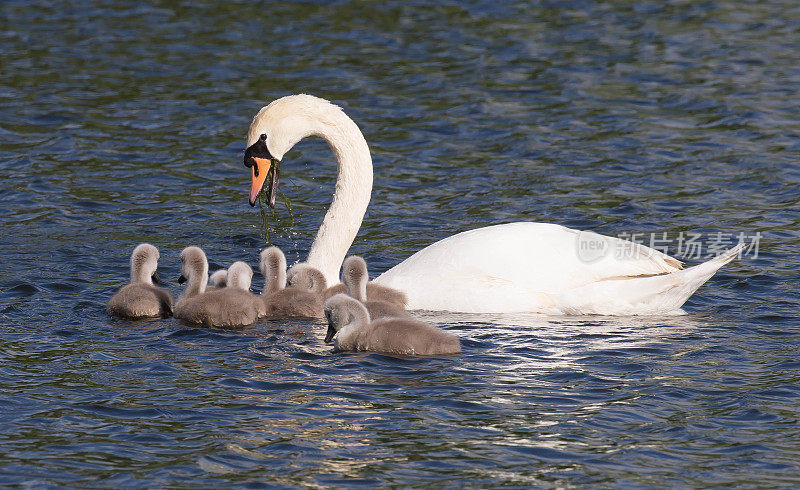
[(123, 122)]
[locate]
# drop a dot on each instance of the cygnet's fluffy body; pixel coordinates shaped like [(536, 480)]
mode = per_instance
[(217, 280), (374, 292), (231, 306), (355, 278), (307, 278), (141, 298), (349, 322), (279, 300), (377, 291)]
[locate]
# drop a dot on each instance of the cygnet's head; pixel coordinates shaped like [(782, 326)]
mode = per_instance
[(273, 268), (239, 276), (307, 278), (194, 266), (144, 262), (341, 310), (218, 279), (355, 277)]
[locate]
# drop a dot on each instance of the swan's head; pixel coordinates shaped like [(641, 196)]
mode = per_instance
[(240, 275), (276, 129), (218, 279), (260, 161), (341, 310), (194, 265), (355, 277), (305, 277), (144, 262), (273, 268)]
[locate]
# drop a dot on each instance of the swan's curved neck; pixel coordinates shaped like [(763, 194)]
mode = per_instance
[(350, 198), (358, 318), (197, 283), (356, 285), (140, 275), (275, 277)]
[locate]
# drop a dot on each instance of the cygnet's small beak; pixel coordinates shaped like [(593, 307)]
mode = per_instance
[(259, 171), (182, 279), (330, 334), (155, 278)]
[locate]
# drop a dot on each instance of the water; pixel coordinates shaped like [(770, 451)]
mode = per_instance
[(123, 122)]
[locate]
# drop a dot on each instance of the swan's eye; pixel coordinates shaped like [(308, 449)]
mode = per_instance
[(259, 150)]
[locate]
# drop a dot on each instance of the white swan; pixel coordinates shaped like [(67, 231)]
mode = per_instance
[(514, 267)]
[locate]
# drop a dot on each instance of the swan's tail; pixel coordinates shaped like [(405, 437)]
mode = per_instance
[(701, 273), (661, 294)]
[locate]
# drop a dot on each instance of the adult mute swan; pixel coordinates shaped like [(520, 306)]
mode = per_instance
[(514, 267)]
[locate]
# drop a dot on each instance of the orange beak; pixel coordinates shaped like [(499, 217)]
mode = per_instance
[(259, 174)]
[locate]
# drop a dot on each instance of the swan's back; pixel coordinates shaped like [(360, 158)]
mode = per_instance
[(517, 267), (226, 307), (381, 309), (134, 301), (291, 302), (379, 292), (401, 336), (375, 292)]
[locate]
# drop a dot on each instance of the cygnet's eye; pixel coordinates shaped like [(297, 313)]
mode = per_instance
[(263, 137)]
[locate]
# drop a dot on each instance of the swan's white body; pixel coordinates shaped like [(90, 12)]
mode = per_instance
[(545, 268), (515, 267)]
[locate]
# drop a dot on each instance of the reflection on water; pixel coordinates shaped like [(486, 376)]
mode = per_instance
[(123, 122)]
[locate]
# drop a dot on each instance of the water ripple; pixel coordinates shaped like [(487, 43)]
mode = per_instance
[(123, 122)]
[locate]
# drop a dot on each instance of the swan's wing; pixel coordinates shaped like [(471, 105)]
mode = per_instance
[(516, 264), (643, 295)]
